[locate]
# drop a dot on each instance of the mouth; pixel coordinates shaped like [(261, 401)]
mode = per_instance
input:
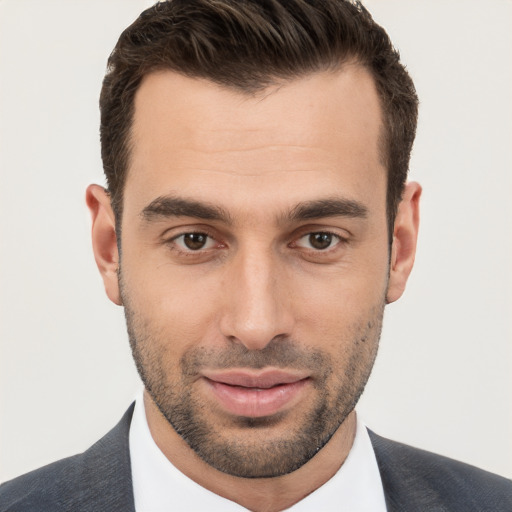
[(255, 395)]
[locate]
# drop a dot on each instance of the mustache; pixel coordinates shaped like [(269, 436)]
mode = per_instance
[(280, 353)]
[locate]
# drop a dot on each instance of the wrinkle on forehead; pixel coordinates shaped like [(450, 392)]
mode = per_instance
[(252, 174), (251, 147)]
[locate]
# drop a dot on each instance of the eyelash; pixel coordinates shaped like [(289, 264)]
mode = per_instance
[(172, 243), (340, 241)]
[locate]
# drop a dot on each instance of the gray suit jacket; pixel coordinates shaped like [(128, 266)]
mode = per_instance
[(99, 480)]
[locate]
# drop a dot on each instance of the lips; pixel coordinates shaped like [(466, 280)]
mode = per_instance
[(250, 394)]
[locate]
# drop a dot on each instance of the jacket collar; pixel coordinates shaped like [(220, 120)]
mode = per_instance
[(105, 472)]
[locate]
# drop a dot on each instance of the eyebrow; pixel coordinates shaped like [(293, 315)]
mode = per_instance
[(331, 207), (171, 206)]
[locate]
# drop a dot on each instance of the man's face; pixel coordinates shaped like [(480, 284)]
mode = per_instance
[(254, 261)]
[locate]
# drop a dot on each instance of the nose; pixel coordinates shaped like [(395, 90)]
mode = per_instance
[(257, 300)]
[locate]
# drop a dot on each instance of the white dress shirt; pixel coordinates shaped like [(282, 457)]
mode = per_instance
[(158, 486)]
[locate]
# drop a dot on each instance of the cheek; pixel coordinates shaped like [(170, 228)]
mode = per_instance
[(170, 304), (343, 296), (353, 347), (344, 318)]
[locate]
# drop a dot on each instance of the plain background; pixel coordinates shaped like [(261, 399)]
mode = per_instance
[(443, 376)]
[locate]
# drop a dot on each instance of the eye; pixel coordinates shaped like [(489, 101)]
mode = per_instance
[(194, 241), (319, 241)]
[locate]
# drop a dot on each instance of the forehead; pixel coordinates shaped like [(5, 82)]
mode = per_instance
[(311, 133)]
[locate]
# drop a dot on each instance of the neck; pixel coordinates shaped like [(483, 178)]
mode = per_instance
[(257, 494)]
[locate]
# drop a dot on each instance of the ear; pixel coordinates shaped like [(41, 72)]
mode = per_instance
[(104, 240), (405, 236)]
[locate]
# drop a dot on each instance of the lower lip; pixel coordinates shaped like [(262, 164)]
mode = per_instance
[(255, 402)]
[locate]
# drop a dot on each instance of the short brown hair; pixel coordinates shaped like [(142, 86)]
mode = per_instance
[(248, 45)]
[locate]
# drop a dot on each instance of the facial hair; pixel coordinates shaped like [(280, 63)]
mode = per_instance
[(255, 453)]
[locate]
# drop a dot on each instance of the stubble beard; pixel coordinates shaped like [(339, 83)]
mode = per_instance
[(255, 453)]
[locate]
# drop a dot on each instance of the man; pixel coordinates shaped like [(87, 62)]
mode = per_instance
[(255, 225)]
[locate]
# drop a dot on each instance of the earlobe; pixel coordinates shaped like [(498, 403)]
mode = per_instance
[(405, 236), (104, 240)]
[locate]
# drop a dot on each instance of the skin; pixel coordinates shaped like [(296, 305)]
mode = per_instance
[(258, 292)]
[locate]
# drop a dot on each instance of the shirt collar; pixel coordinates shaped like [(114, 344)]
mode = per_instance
[(159, 486)]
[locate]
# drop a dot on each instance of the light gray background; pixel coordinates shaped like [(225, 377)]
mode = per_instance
[(443, 377)]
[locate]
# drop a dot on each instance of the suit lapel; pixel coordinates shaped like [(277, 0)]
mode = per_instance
[(105, 473), (403, 479)]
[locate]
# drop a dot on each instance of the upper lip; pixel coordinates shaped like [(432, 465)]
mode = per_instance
[(250, 379)]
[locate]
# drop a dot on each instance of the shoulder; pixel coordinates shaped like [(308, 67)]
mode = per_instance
[(49, 486), (98, 479), (417, 478)]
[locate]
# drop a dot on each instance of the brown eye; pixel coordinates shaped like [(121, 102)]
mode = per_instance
[(194, 241), (320, 241)]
